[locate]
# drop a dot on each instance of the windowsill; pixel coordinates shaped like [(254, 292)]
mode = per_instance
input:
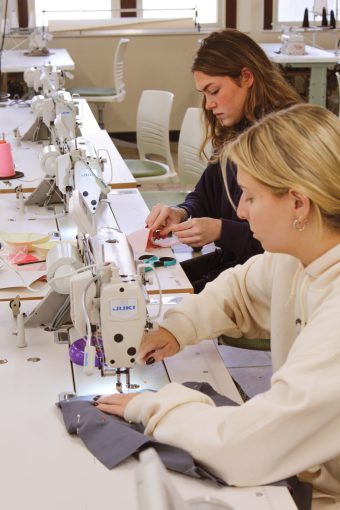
[(133, 32), (124, 26), (124, 32), (299, 29)]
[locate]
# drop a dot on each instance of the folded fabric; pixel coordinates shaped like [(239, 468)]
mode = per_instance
[(112, 440)]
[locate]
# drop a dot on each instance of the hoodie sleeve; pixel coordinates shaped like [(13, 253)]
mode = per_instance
[(289, 429), (226, 305)]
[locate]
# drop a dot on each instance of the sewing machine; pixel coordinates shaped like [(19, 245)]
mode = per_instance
[(55, 110), (97, 288), (292, 43), (156, 490), (44, 80), (108, 308), (68, 164), (37, 42), (66, 161)]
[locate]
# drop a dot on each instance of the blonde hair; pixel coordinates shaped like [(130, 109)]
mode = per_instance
[(297, 148)]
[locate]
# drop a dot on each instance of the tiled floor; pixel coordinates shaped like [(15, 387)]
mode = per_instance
[(250, 369)]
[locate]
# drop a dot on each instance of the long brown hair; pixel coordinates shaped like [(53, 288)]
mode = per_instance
[(227, 53)]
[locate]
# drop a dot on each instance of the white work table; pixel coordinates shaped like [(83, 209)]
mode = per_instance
[(26, 154), (314, 58), (18, 114), (42, 466), (125, 210), (16, 61), (12, 220)]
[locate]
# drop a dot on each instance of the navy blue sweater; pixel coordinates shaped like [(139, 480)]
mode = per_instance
[(209, 199)]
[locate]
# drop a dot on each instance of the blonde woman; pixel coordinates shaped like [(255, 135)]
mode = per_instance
[(289, 172)]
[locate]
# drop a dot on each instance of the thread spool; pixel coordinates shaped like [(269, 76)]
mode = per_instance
[(6, 160)]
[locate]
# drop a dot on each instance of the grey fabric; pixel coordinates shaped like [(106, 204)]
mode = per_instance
[(112, 440)]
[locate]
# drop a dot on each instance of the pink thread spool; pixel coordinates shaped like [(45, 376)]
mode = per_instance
[(6, 160)]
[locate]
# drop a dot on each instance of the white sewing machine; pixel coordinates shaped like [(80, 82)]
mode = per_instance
[(37, 42), (108, 308), (51, 104), (44, 80), (292, 42), (157, 492), (69, 164), (97, 287)]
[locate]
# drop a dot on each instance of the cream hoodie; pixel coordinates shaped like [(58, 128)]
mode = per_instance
[(294, 428)]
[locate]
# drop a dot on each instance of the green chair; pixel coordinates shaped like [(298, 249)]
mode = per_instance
[(102, 95), (155, 163)]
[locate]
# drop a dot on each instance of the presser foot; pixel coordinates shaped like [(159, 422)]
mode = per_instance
[(128, 384), (118, 372)]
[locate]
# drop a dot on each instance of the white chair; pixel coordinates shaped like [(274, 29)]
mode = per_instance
[(102, 95), (191, 164), (338, 78), (152, 127)]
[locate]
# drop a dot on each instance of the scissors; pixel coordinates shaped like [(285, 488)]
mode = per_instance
[(155, 261)]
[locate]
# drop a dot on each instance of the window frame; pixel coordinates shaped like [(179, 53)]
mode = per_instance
[(226, 11), (270, 15), (221, 12)]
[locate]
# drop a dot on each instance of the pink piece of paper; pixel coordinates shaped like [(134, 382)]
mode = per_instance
[(139, 239)]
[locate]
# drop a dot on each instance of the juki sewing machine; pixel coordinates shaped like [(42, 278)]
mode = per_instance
[(51, 104), (97, 288), (66, 161)]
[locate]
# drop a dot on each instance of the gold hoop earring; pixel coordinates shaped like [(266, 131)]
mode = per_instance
[(299, 224)]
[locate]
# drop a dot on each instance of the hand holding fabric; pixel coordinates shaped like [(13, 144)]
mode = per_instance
[(198, 231), (163, 217)]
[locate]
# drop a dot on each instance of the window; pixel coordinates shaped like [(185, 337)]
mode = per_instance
[(210, 13), (70, 9), (204, 12), (292, 11)]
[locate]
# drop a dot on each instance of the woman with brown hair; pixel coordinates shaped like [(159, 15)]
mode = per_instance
[(239, 85)]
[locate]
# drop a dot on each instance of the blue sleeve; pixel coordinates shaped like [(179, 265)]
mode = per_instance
[(209, 199)]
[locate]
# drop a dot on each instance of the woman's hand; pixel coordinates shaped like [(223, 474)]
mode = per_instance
[(198, 231), (114, 404), (157, 345), (164, 217)]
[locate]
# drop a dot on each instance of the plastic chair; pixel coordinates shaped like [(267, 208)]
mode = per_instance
[(190, 164), (102, 95), (338, 78), (153, 121)]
